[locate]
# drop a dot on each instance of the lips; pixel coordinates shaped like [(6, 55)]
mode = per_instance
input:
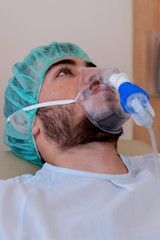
[(106, 90), (107, 94)]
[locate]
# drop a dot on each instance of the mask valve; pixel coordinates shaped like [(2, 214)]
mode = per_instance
[(134, 100)]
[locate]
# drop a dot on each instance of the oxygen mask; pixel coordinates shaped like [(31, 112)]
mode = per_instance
[(99, 101)]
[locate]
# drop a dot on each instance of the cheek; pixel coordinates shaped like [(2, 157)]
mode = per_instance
[(49, 93), (59, 89)]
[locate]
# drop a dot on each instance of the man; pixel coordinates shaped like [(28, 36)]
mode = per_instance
[(85, 190)]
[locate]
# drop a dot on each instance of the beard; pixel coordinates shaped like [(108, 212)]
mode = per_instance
[(62, 126)]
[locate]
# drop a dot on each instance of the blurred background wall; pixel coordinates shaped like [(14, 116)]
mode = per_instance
[(102, 28)]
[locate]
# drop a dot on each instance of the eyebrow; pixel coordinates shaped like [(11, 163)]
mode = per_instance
[(64, 61), (90, 64)]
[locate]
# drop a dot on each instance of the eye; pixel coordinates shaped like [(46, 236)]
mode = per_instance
[(63, 72)]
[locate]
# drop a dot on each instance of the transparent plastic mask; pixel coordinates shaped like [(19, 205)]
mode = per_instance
[(100, 102)]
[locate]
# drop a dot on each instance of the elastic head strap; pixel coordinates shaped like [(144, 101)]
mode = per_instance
[(46, 104)]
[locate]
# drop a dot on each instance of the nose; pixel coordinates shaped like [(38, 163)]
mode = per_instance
[(94, 85), (98, 84)]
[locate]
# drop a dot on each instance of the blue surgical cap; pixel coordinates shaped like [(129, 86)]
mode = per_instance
[(23, 90)]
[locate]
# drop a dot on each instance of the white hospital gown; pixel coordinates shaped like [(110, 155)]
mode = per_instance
[(65, 204)]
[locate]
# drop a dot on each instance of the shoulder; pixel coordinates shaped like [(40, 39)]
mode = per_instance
[(22, 179), (41, 178), (144, 158), (146, 161)]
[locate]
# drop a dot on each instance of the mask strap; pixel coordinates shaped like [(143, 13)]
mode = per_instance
[(46, 104)]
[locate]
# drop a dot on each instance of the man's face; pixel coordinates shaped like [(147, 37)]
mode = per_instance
[(66, 125)]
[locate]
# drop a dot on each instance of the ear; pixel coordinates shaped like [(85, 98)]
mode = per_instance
[(35, 130), (36, 127)]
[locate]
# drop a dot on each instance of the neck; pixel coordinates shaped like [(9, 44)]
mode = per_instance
[(92, 157)]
